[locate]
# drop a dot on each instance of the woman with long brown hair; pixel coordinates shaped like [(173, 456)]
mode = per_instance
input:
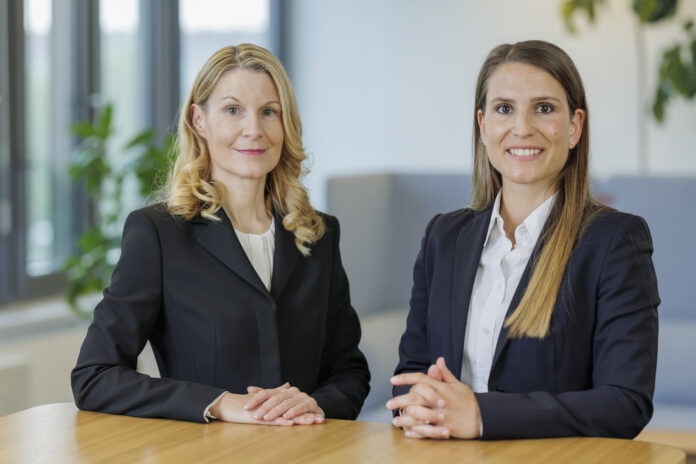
[(234, 279), (534, 310)]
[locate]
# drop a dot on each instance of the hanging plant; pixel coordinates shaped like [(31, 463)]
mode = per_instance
[(677, 70)]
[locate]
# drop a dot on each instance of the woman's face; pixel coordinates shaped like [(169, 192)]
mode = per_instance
[(527, 127), (242, 124)]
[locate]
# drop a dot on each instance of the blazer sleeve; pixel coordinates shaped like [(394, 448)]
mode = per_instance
[(624, 352), (344, 378), (105, 377), (413, 348)]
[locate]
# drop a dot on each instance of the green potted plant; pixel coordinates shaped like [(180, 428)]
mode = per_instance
[(99, 247)]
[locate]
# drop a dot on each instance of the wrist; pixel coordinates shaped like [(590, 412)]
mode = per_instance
[(216, 408)]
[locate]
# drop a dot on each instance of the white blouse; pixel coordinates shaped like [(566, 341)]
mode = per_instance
[(259, 249), (499, 272)]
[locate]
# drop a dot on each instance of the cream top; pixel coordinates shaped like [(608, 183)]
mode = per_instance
[(259, 249)]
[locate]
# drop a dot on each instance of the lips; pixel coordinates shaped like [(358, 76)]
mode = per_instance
[(252, 151), (524, 152)]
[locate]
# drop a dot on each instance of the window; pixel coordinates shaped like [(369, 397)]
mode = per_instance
[(208, 25), (60, 62), (121, 78)]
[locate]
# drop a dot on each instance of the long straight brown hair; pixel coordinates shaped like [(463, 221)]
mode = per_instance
[(573, 206)]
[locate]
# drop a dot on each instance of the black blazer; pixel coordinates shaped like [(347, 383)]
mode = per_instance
[(594, 374), (189, 288)]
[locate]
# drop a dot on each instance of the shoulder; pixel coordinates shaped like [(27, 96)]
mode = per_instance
[(450, 224), (332, 228), (608, 224), (156, 215)]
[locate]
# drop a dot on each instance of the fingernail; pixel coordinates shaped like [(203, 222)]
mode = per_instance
[(410, 434), (389, 404), (440, 417), (441, 402), (444, 433)]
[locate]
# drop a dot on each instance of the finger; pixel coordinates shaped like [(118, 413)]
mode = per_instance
[(284, 406), (447, 375), (410, 433), (278, 421), (306, 405), (257, 398), (425, 415), (307, 418), (408, 399), (412, 378), (431, 431), (262, 395), (253, 389), (426, 392), (406, 421), (435, 372), (280, 395)]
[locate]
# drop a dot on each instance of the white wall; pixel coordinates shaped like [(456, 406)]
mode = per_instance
[(387, 85)]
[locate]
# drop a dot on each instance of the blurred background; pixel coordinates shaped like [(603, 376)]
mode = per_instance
[(90, 91)]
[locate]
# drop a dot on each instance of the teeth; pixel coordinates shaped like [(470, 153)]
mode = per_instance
[(524, 151)]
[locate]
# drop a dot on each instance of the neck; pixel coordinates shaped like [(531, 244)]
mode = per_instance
[(245, 205), (518, 201)]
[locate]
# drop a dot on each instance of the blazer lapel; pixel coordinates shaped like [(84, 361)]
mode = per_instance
[(285, 258), (221, 241), (519, 292), (467, 254)]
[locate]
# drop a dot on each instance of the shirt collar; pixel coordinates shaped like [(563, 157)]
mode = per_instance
[(534, 222)]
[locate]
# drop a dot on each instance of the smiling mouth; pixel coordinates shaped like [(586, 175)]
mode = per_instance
[(252, 151), (522, 152)]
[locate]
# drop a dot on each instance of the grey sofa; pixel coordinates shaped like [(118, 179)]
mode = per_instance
[(383, 217)]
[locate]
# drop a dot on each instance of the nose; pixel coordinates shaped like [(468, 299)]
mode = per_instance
[(251, 126), (522, 124)]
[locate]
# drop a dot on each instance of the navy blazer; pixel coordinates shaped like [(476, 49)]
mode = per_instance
[(593, 375), (189, 288)]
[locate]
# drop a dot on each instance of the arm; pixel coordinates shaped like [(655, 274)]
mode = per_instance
[(343, 375), (624, 357), (105, 378)]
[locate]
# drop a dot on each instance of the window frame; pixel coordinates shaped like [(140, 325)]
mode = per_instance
[(79, 52)]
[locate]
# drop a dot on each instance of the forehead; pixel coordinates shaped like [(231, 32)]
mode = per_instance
[(522, 81), (245, 84)]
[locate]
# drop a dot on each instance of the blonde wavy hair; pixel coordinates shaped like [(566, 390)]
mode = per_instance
[(190, 190), (574, 207)]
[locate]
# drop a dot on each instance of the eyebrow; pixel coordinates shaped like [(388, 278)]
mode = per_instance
[(511, 100), (230, 97)]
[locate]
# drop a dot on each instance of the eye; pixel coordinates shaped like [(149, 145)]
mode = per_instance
[(233, 110), (269, 112), (544, 108), (503, 108)]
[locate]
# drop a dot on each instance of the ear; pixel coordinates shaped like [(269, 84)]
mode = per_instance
[(198, 120), (576, 124), (482, 125)]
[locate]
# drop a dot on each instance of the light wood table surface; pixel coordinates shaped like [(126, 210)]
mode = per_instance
[(59, 433)]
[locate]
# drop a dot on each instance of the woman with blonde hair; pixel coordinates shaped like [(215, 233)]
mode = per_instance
[(534, 310), (233, 277)]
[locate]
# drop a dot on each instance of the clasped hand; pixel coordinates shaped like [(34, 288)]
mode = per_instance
[(438, 405), (285, 405)]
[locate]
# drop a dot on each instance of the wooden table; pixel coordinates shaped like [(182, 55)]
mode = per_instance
[(60, 433)]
